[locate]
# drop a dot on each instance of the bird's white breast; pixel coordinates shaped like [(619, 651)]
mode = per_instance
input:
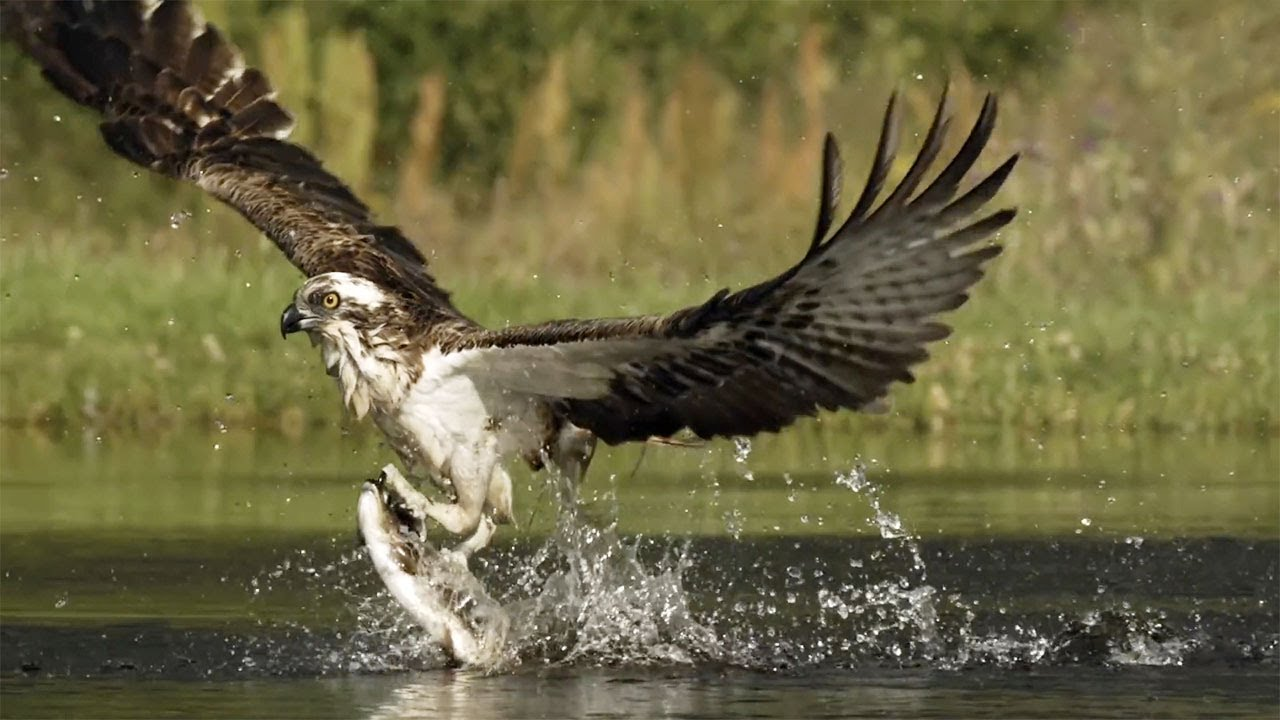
[(454, 421)]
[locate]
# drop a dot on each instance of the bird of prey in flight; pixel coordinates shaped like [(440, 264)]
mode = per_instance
[(459, 401)]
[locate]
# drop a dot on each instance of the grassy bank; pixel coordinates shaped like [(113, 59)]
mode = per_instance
[(122, 342), (1140, 287)]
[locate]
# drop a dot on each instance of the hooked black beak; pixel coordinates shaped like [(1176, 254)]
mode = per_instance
[(291, 320)]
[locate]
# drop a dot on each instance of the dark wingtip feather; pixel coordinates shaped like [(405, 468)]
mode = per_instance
[(971, 201), (936, 331), (945, 184), (835, 166), (983, 254), (929, 150), (264, 117), (1000, 174), (1006, 215), (828, 192), (998, 219), (886, 148)]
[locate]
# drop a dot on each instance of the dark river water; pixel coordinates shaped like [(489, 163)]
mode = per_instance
[(218, 576)]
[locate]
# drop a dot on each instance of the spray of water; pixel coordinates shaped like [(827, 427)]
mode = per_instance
[(904, 606), (586, 595)]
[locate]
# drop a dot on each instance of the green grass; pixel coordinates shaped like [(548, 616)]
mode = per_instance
[(112, 341)]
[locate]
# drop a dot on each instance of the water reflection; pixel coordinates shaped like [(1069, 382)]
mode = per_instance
[(593, 693), (982, 486), (732, 694)]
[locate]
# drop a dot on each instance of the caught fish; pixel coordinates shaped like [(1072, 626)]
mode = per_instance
[(434, 585)]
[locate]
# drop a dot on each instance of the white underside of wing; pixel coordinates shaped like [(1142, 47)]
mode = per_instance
[(446, 412), (579, 370), (471, 410)]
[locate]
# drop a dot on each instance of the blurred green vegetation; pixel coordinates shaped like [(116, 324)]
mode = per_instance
[(491, 53), (581, 159)]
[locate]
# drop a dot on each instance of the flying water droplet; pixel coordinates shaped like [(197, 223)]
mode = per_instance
[(176, 219), (734, 523)]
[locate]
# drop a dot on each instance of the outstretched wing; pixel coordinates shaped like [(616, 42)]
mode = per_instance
[(176, 97), (834, 331)]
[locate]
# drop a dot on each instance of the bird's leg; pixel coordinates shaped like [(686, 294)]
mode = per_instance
[(421, 475), (460, 518), (479, 540), (498, 499)]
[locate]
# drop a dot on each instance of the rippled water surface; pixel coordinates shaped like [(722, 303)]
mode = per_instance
[(219, 575)]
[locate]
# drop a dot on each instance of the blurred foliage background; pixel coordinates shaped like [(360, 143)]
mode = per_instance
[(575, 158)]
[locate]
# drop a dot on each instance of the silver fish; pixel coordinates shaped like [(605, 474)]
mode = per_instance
[(434, 585)]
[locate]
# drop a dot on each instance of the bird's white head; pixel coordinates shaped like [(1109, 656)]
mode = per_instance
[(358, 326)]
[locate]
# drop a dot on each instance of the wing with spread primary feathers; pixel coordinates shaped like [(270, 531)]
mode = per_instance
[(176, 97), (833, 331)]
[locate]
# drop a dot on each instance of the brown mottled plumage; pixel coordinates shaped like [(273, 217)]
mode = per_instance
[(833, 331), (176, 97)]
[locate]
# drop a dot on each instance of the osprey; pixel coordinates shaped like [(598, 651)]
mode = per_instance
[(457, 400)]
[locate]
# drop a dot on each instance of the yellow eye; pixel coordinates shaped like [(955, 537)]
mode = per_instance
[(330, 301)]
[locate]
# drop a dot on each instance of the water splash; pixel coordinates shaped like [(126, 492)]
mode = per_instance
[(177, 219), (905, 605), (1121, 637), (742, 456), (586, 595), (368, 633)]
